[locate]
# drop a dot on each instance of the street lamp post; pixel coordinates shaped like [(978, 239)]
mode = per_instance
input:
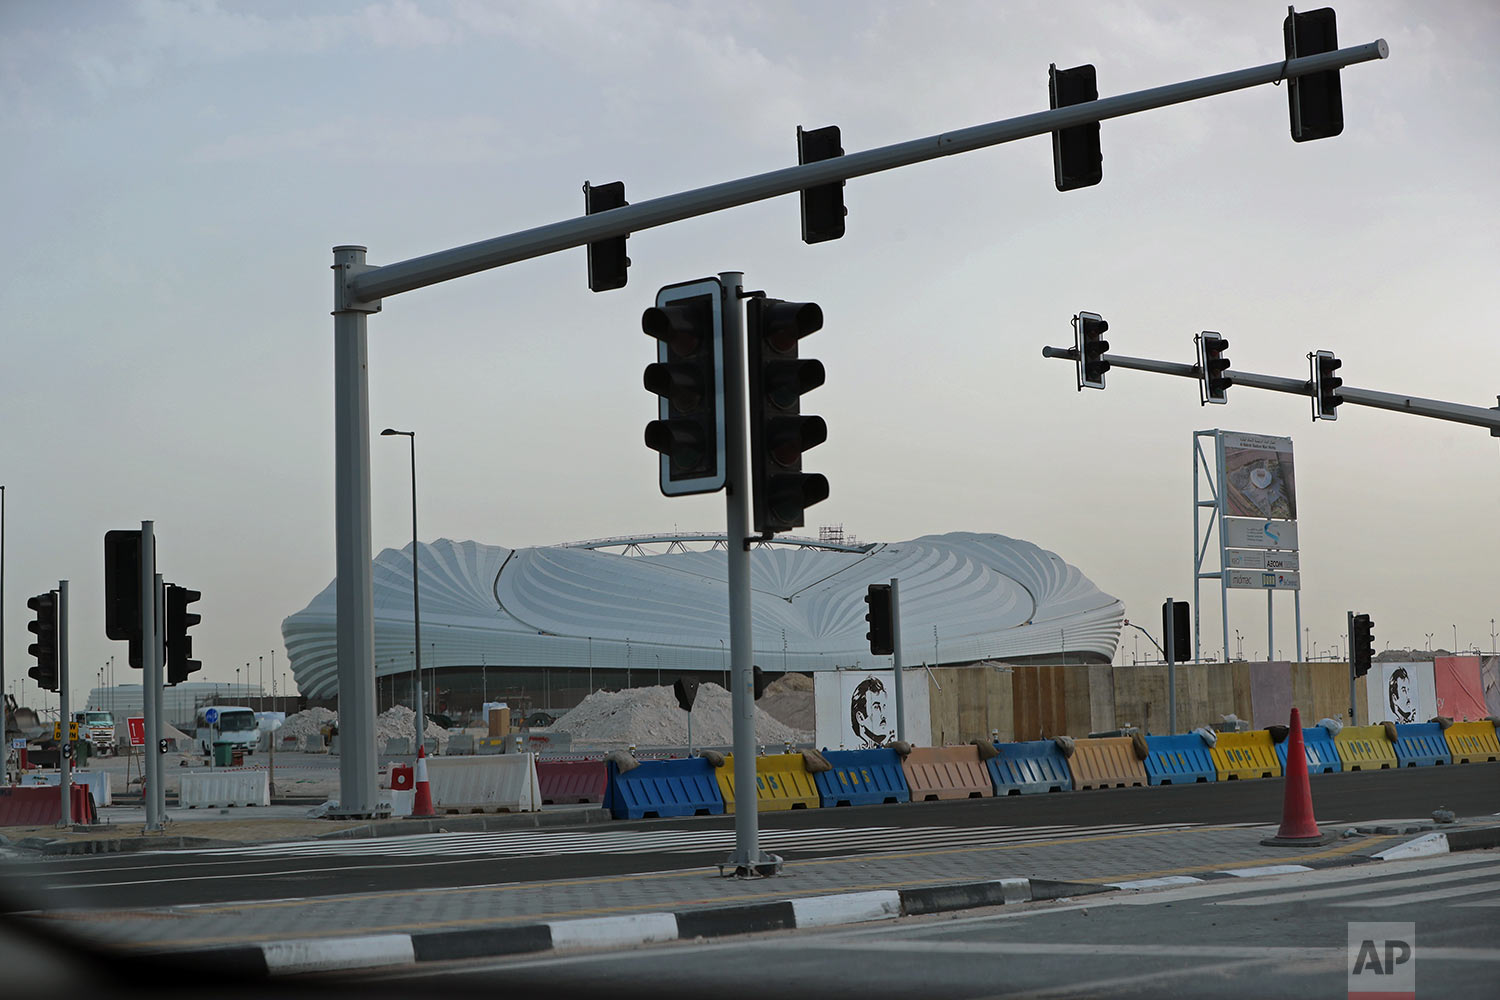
[(1455, 640), (416, 613)]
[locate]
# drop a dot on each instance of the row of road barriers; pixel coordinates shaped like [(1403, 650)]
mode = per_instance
[(694, 787)]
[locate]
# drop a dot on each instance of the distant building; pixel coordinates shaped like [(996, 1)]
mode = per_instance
[(542, 627), (179, 702)]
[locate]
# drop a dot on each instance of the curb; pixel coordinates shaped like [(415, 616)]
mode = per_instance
[(1472, 839), (285, 958)]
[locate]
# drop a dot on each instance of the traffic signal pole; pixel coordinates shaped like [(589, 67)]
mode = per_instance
[(1437, 409), (64, 757), (150, 680), (359, 288), (896, 658)]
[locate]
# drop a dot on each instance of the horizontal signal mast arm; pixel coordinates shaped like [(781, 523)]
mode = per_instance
[(374, 283), (1435, 408)]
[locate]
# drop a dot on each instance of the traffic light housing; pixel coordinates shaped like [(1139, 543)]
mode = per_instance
[(1182, 629), (45, 647), (1326, 398), (686, 691), (688, 325), (1077, 160), (779, 431), (180, 662), (761, 680), (1088, 340), (607, 260), (882, 633), (1214, 379), (1362, 650), (122, 584), (1316, 101), (823, 208)]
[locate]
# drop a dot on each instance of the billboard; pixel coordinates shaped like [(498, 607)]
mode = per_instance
[(1249, 579), (856, 709), (1258, 477), (1243, 533), (1400, 692)]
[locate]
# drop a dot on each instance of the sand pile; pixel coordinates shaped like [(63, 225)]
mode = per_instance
[(789, 700), (400, 722), (308, 722), (651, 717)]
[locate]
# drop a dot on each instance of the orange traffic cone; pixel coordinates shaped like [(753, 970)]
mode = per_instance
[(421, 806), (1298, 827)]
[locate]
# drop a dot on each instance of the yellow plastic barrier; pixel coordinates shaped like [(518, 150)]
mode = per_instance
[(1365, 748), (781, 782), (1472, 741), (1106, 762), (946, 773), (1241, 756)]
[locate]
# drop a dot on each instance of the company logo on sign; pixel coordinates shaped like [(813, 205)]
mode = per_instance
[(1273, 536)]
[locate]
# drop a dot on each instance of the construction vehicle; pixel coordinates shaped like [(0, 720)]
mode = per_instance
[(98, 729), (22, 723)]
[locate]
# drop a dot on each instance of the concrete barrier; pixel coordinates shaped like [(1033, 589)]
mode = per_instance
[(1421, 744), (224, 787), (1317, 746), (1365, 748), (1472, 741), (1182, 759), (661, 788), (937, 773), (97, 782), (398, 746), (781, 782), (505, 783), (862, 777), (459, 745), (1106, 762), (1244, 756), (571, 781), (1029, 767)]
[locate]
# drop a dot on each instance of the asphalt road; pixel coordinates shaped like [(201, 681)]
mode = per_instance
[(277, 871), (1278, 936)]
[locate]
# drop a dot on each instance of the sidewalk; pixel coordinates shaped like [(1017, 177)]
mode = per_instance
[(425, 924)]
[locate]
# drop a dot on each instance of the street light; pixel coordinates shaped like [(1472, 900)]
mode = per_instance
[(1429, 641), (416, 616), (1455, 640)]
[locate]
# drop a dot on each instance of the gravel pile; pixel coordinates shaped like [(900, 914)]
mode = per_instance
[(300, 726), (651, 717), (400, 722)]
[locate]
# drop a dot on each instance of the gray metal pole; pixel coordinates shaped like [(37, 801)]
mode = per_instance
[(896, 658), (1297, 612), (150, 679), (64, 761), (747, 859), (1270, 629), (1171, 643), (159, 694), (355, 609), (419, 272)]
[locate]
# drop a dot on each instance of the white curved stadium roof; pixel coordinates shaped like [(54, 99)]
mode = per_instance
[(965, 596)]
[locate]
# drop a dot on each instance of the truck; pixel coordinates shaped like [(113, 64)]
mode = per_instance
[(98, 729)]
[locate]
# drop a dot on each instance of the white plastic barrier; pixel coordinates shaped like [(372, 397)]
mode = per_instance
[(98, 782), (225, 788), (484, 784)]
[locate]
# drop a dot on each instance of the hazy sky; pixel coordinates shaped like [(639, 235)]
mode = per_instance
[(177, 173)]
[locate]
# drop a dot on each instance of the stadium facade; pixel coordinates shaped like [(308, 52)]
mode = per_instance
[(542, 627)]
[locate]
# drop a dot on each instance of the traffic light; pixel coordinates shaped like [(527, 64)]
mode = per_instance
[(180, 662), (1362, 652), (1213, 368), (122, 585), (1088, 340), (1076, 157), (45, 647), (1326, 398), (882, 634), (761, 681), (1182, 629), (823, 208), (779, 432), (1315, 101), (688, 324), (686, 692), (607, 260)]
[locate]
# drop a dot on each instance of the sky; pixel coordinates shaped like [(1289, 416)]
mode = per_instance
[(178, 172)]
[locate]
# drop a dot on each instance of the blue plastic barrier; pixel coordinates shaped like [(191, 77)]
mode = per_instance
[(1318, 747), (659, 788), (1030, 767), (1421, 743), (861, 778), (1179, 760)]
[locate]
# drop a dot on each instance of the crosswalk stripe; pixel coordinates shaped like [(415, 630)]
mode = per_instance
[(1374, 885)]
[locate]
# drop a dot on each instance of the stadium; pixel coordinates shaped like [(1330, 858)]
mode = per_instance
[(542, 627)]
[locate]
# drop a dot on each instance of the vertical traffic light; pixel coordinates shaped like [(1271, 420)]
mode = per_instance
[(823, 208), (1326, 398), (1315, 101), (1213, 368), (45, 647), (779, 432), (122, 584), (607, 260), (180, 662), (1077, 160), (882, 633), (1088, 340), (688, 324), (1178, 613), (1362, 650)]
